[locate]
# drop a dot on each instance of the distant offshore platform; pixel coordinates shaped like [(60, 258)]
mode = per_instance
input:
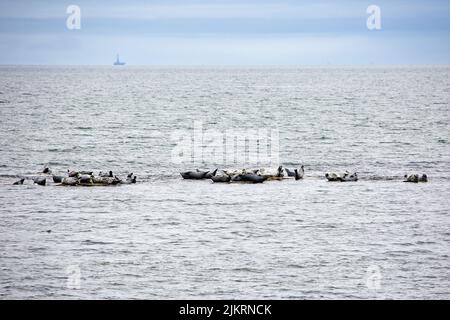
[(118, 62)]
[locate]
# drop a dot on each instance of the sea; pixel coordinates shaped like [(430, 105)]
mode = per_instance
[(169, 238)]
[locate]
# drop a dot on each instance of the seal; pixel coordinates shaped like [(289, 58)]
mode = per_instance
[(72, 173), (106, 174), (58, 179), (47, 171), (210, 174), (345, 177), (350, 177), (299, 174), (289, 172), (221, 178), (106, 180), (85, 180), (270, 174), (415, 178), (40, 181), (253, 178), (194, 175)]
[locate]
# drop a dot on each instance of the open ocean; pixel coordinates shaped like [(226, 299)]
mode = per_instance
[(168, 238)]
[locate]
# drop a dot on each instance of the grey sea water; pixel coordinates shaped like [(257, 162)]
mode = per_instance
[(168, 238)]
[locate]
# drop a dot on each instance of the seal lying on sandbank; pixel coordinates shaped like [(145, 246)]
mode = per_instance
[(345, 177), (40, 181), (106, 180), (221, 178), (58, 179), (193, 175), (270, 174), (297, 174), (47, 170), (106, 174), (248, 176), (253, 178), (85, 180), (416, 178), (198, 175)]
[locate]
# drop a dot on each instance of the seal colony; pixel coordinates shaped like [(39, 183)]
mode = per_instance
[(79, 178), (245, 175), (280, 173), (88, 178)]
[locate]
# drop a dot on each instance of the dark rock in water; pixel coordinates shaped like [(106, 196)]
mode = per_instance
[(40, 181), (19, 182), (58, 179), (47, 170)]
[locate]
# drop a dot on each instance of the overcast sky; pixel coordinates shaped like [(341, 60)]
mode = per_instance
[(221, 32)]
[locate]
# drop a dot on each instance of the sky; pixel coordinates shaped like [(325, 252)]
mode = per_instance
[(221, 32)]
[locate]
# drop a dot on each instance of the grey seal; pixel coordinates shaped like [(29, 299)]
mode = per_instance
[(210, 174), (85, 180), (299, 174), (106, 174), (345, 177), (251, 177), (106, 180), (40, 181), (194, 175), (47, 170), (58, 179), (72, 173), (415, 178), (221, 178)]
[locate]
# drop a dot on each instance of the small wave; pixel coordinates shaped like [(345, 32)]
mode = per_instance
[(380, 178), (91, 242)]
